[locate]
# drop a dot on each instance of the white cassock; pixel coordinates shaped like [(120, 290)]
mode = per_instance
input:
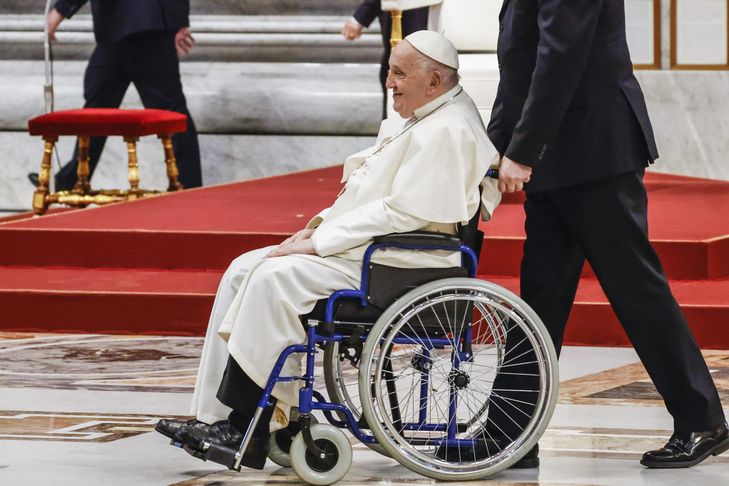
[(423, 175)]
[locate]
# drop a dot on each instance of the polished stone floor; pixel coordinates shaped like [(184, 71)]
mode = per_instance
[(79, 410)]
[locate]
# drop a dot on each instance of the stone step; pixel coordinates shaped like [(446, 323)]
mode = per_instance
[(254, 119), (225, 158), (222, 7), (225, 98), (203, 23), (273, 38)]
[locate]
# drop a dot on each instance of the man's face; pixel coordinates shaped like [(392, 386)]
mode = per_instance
[(412, 86)]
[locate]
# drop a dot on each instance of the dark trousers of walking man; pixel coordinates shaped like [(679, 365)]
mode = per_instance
[(570, 120), (149, 61), (137, 42)]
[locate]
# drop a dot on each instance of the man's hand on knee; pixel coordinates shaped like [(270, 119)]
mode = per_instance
[(303, 234), (300, 247)]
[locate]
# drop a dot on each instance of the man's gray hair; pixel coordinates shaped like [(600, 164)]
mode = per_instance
[(448, 74)]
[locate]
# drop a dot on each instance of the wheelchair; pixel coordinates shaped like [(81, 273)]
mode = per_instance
[(453, 377)]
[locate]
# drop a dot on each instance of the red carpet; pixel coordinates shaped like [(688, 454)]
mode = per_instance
[(152, 266)]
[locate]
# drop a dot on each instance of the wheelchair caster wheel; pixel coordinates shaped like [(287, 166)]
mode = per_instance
[(334, 462), (280, 442), (280, 446)]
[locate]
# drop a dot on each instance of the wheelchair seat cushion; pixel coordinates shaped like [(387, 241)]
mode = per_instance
[(385, 285)]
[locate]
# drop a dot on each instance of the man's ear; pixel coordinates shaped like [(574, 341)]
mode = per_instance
[(435, 82)]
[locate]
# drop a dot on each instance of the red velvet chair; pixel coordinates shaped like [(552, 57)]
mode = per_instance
[(90, 122)]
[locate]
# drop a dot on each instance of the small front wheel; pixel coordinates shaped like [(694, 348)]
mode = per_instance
[(280, 446), (327, 468)]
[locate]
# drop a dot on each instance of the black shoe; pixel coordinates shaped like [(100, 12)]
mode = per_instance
[(33, 178), (171, 428), (686, 449), (223, 435)]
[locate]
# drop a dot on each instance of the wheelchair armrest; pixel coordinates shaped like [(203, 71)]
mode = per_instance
[(420, 238)]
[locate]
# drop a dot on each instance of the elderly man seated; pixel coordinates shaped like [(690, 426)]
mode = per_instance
[(423, 174)]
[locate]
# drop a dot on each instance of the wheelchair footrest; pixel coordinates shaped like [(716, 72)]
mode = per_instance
[(222, 455), (217, 454), (194, 452)]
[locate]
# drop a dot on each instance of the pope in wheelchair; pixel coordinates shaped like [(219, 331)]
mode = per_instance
[(451, 376)]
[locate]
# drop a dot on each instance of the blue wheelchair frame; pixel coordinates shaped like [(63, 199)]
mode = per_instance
[(310, 399)]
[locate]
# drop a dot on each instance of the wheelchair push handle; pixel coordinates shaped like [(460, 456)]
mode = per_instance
[(493, 173)]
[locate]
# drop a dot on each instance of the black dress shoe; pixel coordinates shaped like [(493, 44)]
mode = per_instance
[(171, 428), (223, 435), (686, 449), (33, 178)]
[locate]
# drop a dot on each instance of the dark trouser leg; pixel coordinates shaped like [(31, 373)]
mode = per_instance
[(609, 218), (240, 393), (104, 87), (551, 266), (550, 272), (412, 21), (152, 63)]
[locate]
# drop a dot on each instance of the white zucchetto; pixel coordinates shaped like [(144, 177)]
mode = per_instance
[(435, 46)]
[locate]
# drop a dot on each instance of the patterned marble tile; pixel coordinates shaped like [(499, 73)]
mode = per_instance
[(90, 402), (104, 363), (72, 427), (630, 385), (603, 443), (288, 477)]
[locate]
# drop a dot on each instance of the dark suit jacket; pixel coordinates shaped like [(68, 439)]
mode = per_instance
[(568, 104), (367, 12), (116, 19)]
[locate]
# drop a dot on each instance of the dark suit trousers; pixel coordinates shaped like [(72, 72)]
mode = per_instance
[(412, 21), (240, 393), (605, 222), (150, 62)]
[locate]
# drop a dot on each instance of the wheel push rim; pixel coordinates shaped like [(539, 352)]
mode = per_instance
[(498, 318)]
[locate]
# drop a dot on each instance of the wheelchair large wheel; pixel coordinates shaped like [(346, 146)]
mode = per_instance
[(458, 379), (341, 380)]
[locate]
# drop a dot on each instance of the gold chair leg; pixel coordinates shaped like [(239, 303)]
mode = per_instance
[(173, 173), (396, 30), (39, 196), (133, 167), (83, 173)]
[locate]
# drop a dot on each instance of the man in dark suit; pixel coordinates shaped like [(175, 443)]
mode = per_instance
[(412, 21), (570, 120), (137, 41)]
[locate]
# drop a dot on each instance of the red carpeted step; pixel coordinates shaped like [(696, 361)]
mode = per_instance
[(593, 323), (688, 222), (26, 215), (179, 302), (684, 260), (206, 228), (106, 300), (153, 265)]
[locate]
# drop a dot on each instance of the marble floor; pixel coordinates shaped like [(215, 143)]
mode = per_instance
[(80, 410)]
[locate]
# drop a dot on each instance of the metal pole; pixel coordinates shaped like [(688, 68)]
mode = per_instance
[(48, 61)]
